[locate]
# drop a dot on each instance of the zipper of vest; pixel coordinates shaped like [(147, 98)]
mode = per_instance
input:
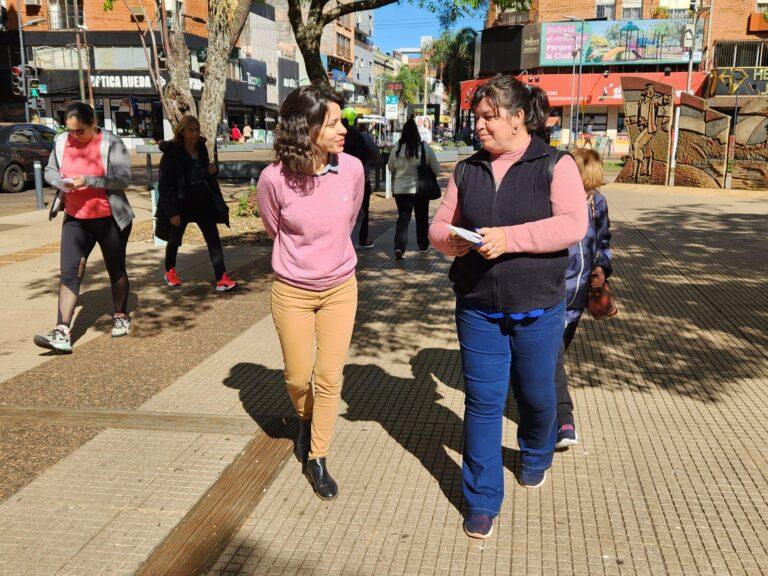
[(496, 186)]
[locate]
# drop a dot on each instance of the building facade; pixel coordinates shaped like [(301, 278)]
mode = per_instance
[(114, 67), (579, 50)]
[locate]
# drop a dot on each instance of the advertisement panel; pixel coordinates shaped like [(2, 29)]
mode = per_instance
[(617, 42)]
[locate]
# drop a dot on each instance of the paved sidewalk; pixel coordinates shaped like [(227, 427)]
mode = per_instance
[(671, 476)]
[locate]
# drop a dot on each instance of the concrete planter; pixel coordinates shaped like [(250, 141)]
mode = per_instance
[(466, 150), (447, 155)]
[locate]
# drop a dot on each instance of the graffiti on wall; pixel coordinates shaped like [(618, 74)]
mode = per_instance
[(702, 147), (648, 115), (750, 154)]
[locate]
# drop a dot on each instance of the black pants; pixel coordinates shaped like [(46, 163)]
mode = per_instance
[(406, 204), (564, 402), (212, 239), (78, 238), (364, 212)]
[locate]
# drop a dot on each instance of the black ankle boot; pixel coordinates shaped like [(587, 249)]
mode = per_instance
[(325, 486), (301, 448)]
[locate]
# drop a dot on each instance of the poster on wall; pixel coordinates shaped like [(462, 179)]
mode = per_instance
[(424, 123), (617, 42)]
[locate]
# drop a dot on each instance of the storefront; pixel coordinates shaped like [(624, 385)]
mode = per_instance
[(599, 104), (125, 102)]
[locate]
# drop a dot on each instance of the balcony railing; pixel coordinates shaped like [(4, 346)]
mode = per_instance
[(508, 18)]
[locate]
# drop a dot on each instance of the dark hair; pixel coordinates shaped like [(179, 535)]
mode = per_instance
[(82, 111), (411, 138), (301, 118), (504, 91)]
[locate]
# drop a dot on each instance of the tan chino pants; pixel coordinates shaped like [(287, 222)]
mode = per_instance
[(315, 331)]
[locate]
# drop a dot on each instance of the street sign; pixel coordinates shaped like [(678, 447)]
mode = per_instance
[(390, 111)]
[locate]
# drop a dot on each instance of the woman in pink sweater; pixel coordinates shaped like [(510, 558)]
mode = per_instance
[(308, 200)]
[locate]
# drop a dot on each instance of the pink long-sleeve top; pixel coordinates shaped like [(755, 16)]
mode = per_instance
[(566, 226), (312, 227)]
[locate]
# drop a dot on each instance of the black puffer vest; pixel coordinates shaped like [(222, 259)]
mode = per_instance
[(512, 282)]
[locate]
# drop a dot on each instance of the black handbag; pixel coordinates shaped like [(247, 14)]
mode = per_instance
[(428, 186)]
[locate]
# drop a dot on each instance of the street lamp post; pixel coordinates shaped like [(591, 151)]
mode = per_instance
[(24, 59), (581, 64)]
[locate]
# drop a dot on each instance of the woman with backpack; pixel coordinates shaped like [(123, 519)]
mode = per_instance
[(189, 192), (404, 161), (91, 168), (526, 206)]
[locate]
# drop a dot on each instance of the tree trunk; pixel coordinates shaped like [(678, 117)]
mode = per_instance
[(309, 44), (177, 91), (220, 33)]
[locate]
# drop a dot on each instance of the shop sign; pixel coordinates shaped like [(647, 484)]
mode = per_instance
[(288, 73), (743, 81), (617, 42), (254, 88), (125, 82)]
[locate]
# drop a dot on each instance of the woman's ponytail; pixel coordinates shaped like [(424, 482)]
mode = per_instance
[(537, 110)]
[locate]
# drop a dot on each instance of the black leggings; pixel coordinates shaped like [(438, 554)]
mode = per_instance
[(407, 204), (78, 238), (564, 402), (212, 239)]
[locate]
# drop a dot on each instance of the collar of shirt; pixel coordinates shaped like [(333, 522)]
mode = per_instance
[(332, 166)]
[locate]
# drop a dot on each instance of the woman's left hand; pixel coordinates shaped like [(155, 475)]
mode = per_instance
[(212, 170), (494, 243), (78, 182)]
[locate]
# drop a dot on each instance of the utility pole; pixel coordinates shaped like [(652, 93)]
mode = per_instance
[(79, 52), (23, 64)]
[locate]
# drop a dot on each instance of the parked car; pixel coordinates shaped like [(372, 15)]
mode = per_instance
[(20, 146)]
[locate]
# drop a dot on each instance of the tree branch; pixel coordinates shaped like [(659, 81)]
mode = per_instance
[(358, 6)]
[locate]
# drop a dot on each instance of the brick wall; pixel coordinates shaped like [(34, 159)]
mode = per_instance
[(729, 19), (96, 19)]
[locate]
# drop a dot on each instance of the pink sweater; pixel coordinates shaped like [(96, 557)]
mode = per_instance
[(566, 226), (312, 229)]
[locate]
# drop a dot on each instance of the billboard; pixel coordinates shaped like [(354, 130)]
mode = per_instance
[(616, 42)]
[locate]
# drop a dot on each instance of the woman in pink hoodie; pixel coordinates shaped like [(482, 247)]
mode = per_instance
[(308, 200)]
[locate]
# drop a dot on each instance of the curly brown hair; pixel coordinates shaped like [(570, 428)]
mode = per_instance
[(301, 118)]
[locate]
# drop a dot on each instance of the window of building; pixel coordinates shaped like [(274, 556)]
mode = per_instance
[(120, 58), (64, 14), (632, 9), (762, 6), (58, 57), (605, 9)]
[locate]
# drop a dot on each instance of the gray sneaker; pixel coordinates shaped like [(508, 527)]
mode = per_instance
[(57, 340), (121, 326)]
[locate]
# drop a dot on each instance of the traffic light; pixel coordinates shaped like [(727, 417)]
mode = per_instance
[(17, 84)]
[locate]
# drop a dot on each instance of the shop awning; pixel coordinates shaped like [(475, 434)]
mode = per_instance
[(596, 89)]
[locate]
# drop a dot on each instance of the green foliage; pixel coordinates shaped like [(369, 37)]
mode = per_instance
[(413, 84), (109, 5)]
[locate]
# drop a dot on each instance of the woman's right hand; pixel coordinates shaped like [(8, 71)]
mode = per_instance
[(176, 220), (459, 246)]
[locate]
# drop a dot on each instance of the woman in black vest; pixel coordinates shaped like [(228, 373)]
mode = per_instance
[(527, 206), (189, 192)]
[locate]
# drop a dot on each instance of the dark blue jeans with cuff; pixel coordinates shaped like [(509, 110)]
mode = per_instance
[(495, 349)]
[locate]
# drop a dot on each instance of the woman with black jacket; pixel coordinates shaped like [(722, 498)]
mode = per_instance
[(189, 192)]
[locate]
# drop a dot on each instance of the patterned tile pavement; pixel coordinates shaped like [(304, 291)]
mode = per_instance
[(670, 477)]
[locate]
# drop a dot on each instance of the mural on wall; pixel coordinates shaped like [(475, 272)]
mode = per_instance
[(750, 155), (702, 147), (648, 115)]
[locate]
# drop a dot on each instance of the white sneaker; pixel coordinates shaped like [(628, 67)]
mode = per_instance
[(121, 326), (57, 340)]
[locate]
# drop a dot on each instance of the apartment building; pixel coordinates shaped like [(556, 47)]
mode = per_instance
[(114, 66)]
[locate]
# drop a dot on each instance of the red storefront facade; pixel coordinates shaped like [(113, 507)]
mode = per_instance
[(600, 102)]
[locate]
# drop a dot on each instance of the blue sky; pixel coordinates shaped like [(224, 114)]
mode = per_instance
[(401, 25)]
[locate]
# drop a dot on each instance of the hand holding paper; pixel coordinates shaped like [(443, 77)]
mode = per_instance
[(468, 235)]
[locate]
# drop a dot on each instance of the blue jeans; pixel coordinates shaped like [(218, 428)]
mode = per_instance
[(492, 352)]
